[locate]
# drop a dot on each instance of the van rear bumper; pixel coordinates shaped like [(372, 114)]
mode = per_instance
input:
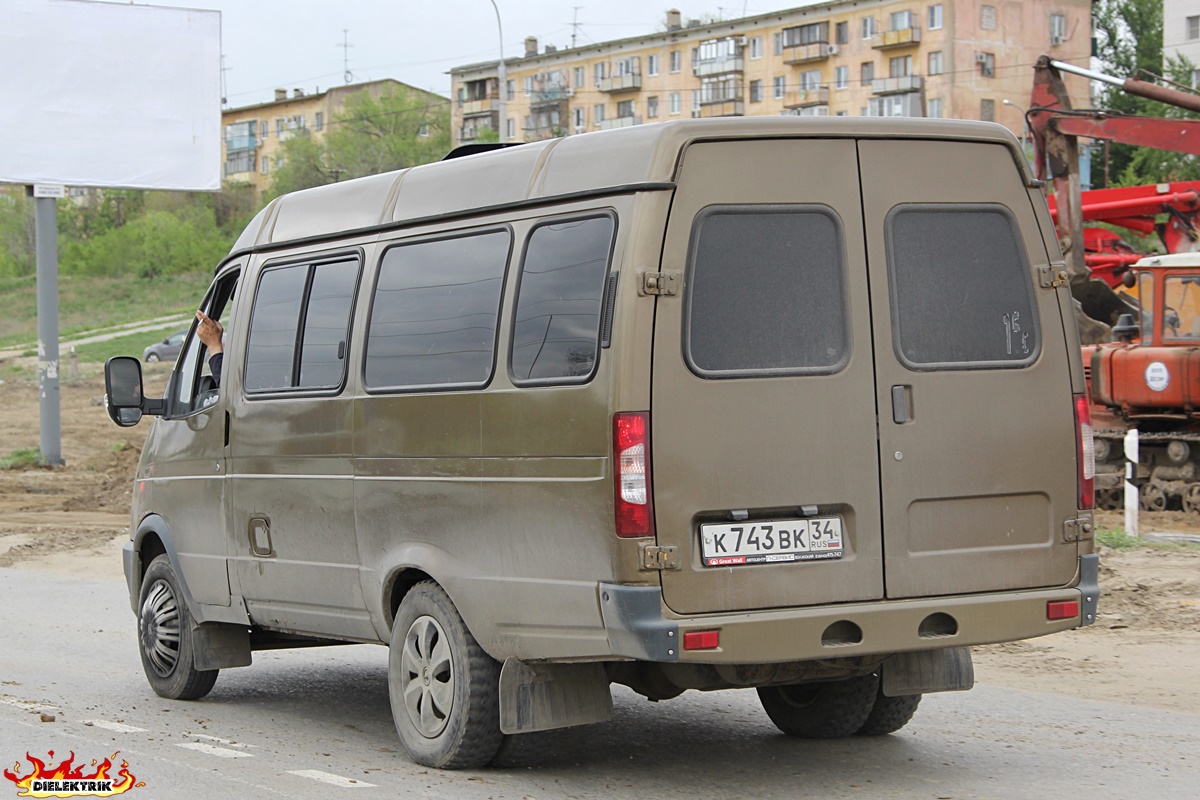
[(640, 625)]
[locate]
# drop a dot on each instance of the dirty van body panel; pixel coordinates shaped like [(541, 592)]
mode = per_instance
[(758, 420), (976, 425), (294, 556)]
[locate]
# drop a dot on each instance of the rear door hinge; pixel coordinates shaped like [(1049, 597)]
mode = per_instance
[(1053, 276), (1077, 530), (659, 557), (660, 283)]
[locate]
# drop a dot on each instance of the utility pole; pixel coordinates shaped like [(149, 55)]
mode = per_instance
[(224, 86), (575, 25), (345, 45)]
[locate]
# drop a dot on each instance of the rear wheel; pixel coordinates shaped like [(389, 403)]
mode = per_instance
[(889, 714), (152, 357), (829, 710), (165, 636), (444, 688)]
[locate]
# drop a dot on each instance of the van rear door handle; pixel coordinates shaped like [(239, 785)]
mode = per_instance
[(901, 405)]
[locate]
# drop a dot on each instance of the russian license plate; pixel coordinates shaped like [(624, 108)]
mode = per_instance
[(769, 541)]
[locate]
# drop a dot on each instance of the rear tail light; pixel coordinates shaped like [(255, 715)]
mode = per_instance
[(631, 460), (1063, 609), (1085, 452), (701, 640)]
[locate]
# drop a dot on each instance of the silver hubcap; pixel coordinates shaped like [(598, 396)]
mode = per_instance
[(426, 676), (160, 629)]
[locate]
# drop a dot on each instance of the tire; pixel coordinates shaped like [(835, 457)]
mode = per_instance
[(444, 688), (152, 357), (889, 714), (830, 710), (165, 636)]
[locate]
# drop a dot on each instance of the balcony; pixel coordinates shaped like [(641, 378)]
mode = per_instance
[(474, 108), (733, 107), (550, 96), (907, 83), (718, 66), (630, 82), (810, 111), (803, 98), (619, 122), (904, 37), (234, 144), (804, 53)]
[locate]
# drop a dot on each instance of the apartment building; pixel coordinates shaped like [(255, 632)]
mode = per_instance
[(1181, 33), (951, 58), (254, 135)]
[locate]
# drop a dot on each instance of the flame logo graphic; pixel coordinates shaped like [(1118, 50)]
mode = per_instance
[(123, 782)]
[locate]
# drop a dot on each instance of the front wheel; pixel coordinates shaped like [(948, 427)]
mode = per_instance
[(444, 688), (165, 636), (152, 357), (828, 710)]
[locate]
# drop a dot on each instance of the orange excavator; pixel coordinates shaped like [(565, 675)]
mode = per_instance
[(1149, 377)]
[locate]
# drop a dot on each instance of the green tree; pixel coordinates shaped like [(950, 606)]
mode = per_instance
[(399, 128), (1129, 42), (16, 233)]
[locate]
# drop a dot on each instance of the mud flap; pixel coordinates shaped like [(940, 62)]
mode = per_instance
[(218, 645), (926, 671), (541, 697)]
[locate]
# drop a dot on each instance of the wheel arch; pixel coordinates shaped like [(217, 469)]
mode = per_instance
[(417, 562), (152, 539)]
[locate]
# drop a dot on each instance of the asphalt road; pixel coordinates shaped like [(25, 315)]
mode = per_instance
[(315, 724)]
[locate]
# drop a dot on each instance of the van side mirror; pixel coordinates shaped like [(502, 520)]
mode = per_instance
[(124, 399)]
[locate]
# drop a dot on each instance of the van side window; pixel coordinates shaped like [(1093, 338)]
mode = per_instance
[(299, 327), (766, 292), (961, 292), (556, 330), (435, 313), (193, 387)]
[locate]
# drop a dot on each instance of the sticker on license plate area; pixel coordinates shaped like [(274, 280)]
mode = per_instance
[(771, 541)]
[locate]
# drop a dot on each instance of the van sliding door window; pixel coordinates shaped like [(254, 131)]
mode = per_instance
[(556, 331), (299, 328), (961, 291), (766, 292), (435, 313)]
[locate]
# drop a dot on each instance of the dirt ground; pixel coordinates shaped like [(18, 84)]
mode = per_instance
[(1143, 650)]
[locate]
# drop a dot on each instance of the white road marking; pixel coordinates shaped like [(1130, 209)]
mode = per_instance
[(213, 750), (330, 778), (219, 740), (119, 727), (28, 706)]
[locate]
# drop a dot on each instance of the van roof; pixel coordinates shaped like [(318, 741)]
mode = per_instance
[(603, 162)]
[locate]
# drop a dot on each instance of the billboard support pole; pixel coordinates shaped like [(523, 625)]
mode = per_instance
[(46, 232)]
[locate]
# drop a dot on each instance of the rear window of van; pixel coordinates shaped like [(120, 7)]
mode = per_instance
[(961, 291), (766, 292)]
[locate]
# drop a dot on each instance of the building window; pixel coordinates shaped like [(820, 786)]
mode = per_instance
[(868, 72), (528, 85), (868, 27), (579, 72), (1058, 28), (810, 79), (510, 129), (935, 108), (900, 67), (778, 38), (652, 65), (779, 84), (266, 165), (696, 93), (755, 91), (1196, 79), (1193, 28), (901, 20), (598, 72), (841, 77), (935, 16), (580, 118), (511, 90), (423, 131), (598, 113), (652, 107), (624, 109), (987, 18), (676, 61), (278, 125), (320, 123), (674, 101), (263, 129), (814, 33), (987, 65), (935, 63), (756, 47), (987, 110), (842, 32)]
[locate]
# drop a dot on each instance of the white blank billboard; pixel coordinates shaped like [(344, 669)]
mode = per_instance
[(110, 95)]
